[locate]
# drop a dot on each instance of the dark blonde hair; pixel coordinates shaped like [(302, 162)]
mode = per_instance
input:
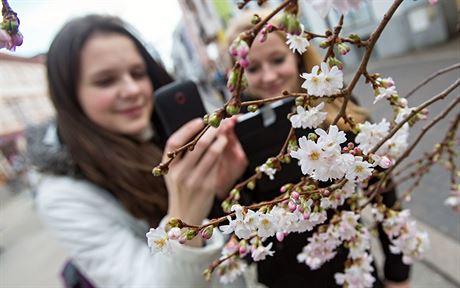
[(307, 61)]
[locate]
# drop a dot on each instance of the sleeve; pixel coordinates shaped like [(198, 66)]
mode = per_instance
[(394, 269), (108, 252)]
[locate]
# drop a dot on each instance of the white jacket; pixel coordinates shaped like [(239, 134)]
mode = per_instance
[(109, 245)]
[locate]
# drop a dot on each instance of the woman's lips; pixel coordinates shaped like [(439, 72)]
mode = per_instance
[(132, 112)]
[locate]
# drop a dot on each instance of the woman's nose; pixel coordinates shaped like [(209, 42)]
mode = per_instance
[(269, 74), (130, 87)]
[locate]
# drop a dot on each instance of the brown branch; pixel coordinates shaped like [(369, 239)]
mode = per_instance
[(427, 103), (431, 77), (337, 29), (286, 95), (369, 48)]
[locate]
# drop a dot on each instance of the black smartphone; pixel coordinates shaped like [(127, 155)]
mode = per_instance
[(261, 133), (175, 104)]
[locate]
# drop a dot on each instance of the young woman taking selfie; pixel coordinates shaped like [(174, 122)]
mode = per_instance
[(98, 195)]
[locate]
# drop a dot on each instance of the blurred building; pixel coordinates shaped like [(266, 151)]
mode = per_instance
[(415, 25), (23, 102)]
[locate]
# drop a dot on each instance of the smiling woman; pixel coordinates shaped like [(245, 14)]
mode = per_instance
[(98, 195), (114, 88)]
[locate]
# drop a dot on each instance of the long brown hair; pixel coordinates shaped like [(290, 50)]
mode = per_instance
[(117, 163), (306, 62)]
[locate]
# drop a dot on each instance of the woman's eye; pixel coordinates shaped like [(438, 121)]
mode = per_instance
[(104, 82), (252, 69), (279, 60), (139, 74)]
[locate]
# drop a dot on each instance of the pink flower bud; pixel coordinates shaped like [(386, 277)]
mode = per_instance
[(402, 102), (292, 206), (206, 233), (306, 216), (243, 250), (17, 39), (385, 162), (295, 195), (174, 233), (387, 82), (244, 62), (243, 49), (280, 236), (233, 51), (343, 48)]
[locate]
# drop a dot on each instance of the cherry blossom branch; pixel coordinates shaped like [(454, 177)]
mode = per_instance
[(217, 262), (370, 43), (431, 77), (406, 153), (432, 158), (162, 168), (422, 106), (279, 199)]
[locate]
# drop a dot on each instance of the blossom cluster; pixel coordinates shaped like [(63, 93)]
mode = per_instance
[(345, 230), (323, 160), (10, 37), (232, 266), (402, 231), (371, 134)]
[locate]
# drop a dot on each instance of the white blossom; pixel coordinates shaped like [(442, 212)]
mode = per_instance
[(360, 170), (453, 200), (403, 113), (297, 42), (267, 226), (308, 154), (333, 77), (270, 172), (347, 225), (359, 244), (158, 241), (243, 224), (314, 83), (261, 252), (310, 118), (358, 275), (383, 92), (328, 82)]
